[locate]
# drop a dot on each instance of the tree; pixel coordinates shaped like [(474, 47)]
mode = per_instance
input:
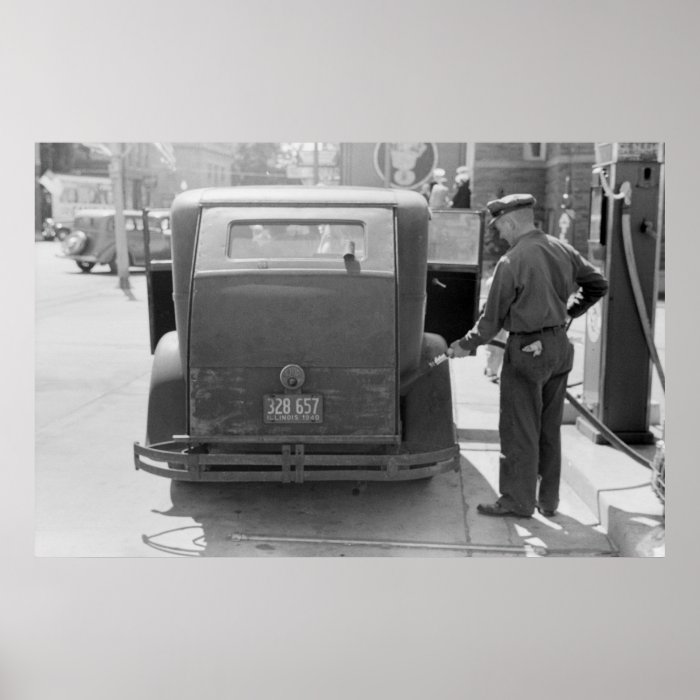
[(258, 164), (58, 157)]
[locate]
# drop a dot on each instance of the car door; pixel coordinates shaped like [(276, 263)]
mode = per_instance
[(455, 244), (159, 237), (133, 223)]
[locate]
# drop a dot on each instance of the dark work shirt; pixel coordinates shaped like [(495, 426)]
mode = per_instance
[(463, 197), (531, 287)]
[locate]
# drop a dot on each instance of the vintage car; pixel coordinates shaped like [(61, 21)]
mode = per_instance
[(92, 240), (299, 349), (52, 230)]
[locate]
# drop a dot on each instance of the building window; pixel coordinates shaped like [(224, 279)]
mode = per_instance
[(534, 151)]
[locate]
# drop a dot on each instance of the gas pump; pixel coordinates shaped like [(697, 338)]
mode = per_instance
[(624, 242)]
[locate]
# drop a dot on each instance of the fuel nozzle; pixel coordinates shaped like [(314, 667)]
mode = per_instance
[(439, 359), (408, 380)]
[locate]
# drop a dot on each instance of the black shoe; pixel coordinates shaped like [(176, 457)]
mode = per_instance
[(496, 509), (546, 513)]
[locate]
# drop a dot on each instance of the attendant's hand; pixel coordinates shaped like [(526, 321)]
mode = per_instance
[(456, 350)]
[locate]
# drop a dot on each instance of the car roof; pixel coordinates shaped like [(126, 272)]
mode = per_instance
[(298, 194)]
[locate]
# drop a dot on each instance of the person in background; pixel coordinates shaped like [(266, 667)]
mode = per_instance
[(260, 235), (425, 189), (529, 296), (440, 195), (463, 195), (335, 239)]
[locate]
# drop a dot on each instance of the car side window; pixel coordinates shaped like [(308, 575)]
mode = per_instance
[(156, 225), (133, 223)]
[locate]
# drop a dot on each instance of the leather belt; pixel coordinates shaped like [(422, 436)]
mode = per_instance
[(541, 330)]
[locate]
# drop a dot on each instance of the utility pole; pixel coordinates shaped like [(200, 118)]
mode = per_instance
[(115, 171), (387, 165)]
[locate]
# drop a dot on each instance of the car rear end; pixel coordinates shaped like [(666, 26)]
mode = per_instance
[(291, 341)]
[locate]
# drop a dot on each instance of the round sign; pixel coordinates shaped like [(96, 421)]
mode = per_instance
[(409, 164)]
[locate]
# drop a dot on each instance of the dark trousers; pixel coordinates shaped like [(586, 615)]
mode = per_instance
[(532, 405)]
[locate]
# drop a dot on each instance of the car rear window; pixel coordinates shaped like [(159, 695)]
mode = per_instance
[(295, 239), (81, 222), (158, 223), (264, 237)]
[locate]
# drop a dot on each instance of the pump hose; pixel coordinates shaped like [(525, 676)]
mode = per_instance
[(604, 430), (638, 295), (607, 433)]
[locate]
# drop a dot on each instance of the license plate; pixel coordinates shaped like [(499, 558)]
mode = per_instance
[(293, 408)]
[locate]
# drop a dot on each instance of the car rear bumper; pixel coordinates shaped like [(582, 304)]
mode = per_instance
[(78, 258), (291, 464)]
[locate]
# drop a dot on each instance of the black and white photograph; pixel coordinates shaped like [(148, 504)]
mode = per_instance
[(335, 362), (288, 376)]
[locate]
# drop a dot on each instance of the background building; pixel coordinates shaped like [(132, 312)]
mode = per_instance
[(154, 173), (557, 174)]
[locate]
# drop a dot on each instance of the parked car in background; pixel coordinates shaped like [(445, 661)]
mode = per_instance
[(50, 230), (92, 240), (299, 349), (66, 195)]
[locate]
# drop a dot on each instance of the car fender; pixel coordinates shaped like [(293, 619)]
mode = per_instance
[(427, 416), (109, 252), (167, 398)]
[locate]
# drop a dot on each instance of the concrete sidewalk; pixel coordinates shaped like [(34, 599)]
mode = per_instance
[(615, 488)]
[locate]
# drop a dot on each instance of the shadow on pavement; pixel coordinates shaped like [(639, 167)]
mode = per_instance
[(105, 272), (427, 518), (315, 519), (570, 533)]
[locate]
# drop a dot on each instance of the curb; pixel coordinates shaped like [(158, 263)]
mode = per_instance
[(571, 414), (618, 491)]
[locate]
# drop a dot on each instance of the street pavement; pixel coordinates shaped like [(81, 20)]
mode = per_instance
[(92, 375)]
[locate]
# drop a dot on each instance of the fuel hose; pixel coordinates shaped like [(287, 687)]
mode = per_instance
[(638, 295)]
